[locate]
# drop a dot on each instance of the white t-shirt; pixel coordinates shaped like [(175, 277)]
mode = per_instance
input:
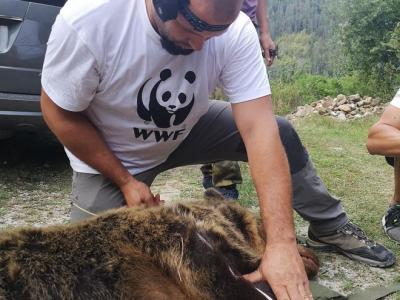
[(396, 100), (105, 59)]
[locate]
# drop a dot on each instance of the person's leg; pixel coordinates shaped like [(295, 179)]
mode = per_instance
[(329, 228), (311, 199), (226, 173), (93, 193), (224, 176), (391, 219), (206, 171)]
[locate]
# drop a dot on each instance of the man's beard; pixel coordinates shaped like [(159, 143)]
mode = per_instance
[(173, 48)]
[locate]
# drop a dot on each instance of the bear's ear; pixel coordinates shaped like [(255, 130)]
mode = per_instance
[(190, 76), (165, 74)]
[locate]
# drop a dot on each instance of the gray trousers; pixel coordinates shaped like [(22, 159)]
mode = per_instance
[(215, 137)]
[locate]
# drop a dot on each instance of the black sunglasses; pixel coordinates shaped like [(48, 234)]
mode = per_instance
[(196, 22)]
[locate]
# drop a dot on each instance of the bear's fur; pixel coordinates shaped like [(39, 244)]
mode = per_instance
[(192, 250)]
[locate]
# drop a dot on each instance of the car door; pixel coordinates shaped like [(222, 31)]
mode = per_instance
[(24, 30)]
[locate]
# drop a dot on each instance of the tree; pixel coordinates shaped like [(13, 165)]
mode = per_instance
[(371, 38)]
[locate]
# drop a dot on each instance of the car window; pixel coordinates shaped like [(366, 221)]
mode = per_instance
[(49, 2)]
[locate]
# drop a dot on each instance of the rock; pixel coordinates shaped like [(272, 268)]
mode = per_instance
[(375, 102), (341, 98), (322, 111), (327, 104), (341, 116), (345, 108), (303, 111), (355, 98), (368, 101), (341, 107)]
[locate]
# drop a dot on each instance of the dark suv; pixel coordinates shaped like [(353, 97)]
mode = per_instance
[(24, 30)]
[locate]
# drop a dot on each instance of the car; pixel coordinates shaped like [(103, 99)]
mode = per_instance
[(25, 27)]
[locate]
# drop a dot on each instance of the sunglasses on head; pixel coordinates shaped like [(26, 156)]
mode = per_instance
[(168, 10)]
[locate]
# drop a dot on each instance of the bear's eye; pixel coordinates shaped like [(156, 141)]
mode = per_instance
[(182, 98), (166, 96)]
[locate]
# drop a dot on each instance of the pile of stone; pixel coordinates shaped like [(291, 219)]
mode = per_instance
[(342, 107)]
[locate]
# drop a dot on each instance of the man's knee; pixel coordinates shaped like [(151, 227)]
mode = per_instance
[(92, 194), (286, 129), (295, 151)]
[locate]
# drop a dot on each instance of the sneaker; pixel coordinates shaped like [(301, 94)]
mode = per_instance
[(391, 223), (351, 241), (207, 182), (229, 192)]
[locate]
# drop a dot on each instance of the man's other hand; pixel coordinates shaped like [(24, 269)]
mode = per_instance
[(283, 269)]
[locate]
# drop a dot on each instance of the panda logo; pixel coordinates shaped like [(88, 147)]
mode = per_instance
[(167, 111)]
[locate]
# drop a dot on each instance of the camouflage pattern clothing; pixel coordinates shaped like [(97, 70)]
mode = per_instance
[(223, 173)]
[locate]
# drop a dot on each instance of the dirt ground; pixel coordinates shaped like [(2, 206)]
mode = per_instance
[(34, 190)]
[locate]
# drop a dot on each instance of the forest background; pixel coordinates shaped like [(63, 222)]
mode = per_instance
[(334, 47)]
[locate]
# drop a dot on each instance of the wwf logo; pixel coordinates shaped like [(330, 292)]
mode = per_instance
[(166, 111)]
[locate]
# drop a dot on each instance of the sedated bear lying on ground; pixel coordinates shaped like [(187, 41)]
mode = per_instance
[(192, 250)]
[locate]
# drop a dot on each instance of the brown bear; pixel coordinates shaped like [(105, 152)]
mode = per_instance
[(191, 250)]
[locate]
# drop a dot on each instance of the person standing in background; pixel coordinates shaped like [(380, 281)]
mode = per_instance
[(225, 175)]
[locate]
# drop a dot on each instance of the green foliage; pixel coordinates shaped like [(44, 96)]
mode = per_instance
[(363, 84), (292, 16), (294, 57), (393, 45), (357, 42), (285, 96), (371, 39), (303, 29), (303, 90), (317, 86)]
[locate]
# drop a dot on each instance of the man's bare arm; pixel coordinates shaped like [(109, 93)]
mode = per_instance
[(384, 136), (281, 265), (80, 137)]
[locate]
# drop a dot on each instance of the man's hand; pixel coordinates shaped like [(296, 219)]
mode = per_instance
[(267, 44), (137, 193), (283, 269)]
